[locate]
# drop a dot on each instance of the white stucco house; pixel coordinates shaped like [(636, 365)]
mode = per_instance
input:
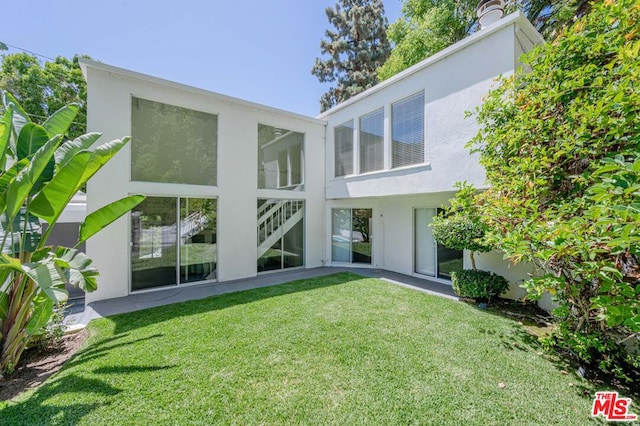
[(235, 189)]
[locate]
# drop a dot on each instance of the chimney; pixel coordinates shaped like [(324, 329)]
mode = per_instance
[(489, 11)]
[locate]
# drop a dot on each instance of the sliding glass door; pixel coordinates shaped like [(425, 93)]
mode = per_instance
[(351, 237), (280, 234), (167, 232), (432, 259)]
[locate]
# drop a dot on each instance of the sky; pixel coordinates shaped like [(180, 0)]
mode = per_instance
[(257, 50)]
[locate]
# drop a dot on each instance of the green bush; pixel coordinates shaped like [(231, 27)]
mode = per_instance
[(477, 284)]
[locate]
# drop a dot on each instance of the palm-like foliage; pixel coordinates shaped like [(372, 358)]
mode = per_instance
[(40, 174)]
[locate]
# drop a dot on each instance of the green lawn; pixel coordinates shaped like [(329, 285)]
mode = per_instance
[(341, 349)]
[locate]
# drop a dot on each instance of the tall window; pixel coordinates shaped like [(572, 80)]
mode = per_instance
[(344, 149), (280, 234), (372, 141), (280, 158), (351, 238), (173, 241), (407, 131), (173, 144)]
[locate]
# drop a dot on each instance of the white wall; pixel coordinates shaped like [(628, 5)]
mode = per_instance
[(452, 85), (394, 238), (109, 100)]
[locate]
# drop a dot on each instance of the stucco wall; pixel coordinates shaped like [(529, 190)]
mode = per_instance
[(452, 85), (109, 101)]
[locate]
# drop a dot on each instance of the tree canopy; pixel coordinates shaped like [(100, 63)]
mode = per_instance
[(353, 50), (561, 148), (42, 88), (428, 26)]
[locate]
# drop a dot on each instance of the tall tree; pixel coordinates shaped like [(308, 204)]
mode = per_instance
[(428, 26), (356, 49), (42, 88)]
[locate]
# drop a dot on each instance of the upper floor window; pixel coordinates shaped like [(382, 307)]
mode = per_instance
[(372, 141), (280, 158), (344, 149), (407, 131), (173, 144)]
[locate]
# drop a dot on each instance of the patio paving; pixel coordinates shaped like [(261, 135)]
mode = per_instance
[(139, 301)]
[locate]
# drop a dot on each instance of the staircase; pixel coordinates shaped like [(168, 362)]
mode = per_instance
[(276, 218), (193, 224)]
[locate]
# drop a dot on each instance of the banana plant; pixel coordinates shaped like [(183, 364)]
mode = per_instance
[(40, 173)]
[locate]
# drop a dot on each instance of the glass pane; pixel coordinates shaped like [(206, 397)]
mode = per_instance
[(449, 260), (372, 142), (293, 234), (361, 239), (269, 235), (153, 248), (198, 247), (280, 158), (425, 246), (341, 235), (172, 144), (407, 131), (280, 234), (344, 149)]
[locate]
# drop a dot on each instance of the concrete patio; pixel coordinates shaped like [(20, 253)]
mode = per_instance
[(139, 301)]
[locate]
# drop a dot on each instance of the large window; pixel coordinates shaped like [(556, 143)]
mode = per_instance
[(351, 239), (372, 141), (167, 232), (280, 158), (172, 144), (280, 234), (407, 131), (344, 149)]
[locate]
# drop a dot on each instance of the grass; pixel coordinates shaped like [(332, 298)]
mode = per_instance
[(340, 349)]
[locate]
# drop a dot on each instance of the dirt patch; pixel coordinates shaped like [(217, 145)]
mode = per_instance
[(36, 365)]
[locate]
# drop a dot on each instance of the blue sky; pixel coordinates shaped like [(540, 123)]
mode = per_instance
[(258, 50)]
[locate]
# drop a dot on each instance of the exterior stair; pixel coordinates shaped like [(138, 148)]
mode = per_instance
[(276, 218)]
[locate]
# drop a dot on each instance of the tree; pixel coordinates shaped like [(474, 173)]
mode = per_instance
[(356, 49), (428, 26), (44, 88), (561, 152), (460, 227), (42, 175)]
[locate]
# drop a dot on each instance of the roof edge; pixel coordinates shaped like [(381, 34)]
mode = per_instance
[(515, 18), (86, 64)]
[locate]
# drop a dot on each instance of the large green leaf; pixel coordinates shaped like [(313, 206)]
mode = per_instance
[(48, 276), (5, 132), (20, 187), (51, 201), (102, 217), (20, 117), (30, 139), (7, 177), (77, 267), (42, 311), (70, 148), (61, 120)]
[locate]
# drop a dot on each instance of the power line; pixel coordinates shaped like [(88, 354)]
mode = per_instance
[(29, 51)]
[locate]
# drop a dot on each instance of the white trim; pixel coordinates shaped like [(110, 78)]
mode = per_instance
[(86, 64), (516, 18)]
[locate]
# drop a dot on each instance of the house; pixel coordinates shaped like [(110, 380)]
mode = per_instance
[(236, 189)]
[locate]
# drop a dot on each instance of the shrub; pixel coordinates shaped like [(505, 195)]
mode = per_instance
[(559, 143), (477, 284)]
